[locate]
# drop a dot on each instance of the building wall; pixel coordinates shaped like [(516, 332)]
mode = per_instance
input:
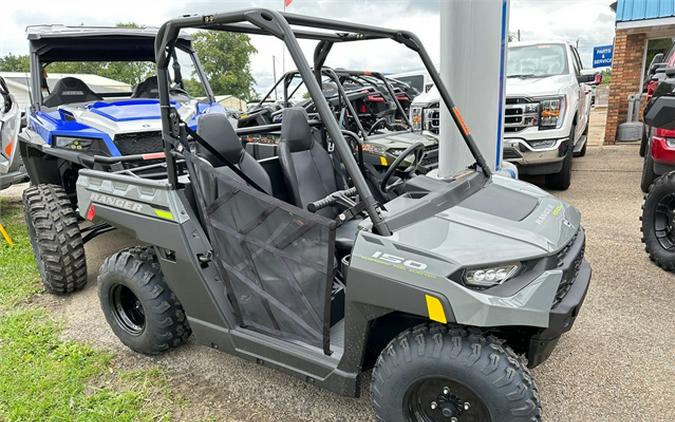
[(626, 74)]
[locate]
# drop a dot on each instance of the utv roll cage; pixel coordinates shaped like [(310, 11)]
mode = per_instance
[(336, 76), (270, 22)]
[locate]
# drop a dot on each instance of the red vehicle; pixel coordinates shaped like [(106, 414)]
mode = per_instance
[(658, 144)]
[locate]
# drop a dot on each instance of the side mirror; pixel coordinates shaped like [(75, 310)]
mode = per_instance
[(586, 79), (661, 113)]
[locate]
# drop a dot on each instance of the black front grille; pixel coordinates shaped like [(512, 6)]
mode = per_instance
[(139, 143), (569, 260)]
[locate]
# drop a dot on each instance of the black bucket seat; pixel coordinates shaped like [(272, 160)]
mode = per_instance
[(70, 90)]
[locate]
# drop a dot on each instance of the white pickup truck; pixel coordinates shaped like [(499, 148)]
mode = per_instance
[(548, 105)]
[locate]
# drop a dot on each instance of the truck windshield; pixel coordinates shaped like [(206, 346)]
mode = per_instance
[(536, 61)]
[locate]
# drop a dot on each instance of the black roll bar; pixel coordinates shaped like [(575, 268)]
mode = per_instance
[(270, 22)]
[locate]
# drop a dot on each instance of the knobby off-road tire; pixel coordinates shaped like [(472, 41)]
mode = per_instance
[(138, 304), (478, 378), (563, 179), (648, 174), (657, 222), (56, 239)]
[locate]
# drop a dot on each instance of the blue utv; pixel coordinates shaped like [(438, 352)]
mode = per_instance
[(82, 119)]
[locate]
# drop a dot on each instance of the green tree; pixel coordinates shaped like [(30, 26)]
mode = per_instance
[(14, 63), (226, 58)]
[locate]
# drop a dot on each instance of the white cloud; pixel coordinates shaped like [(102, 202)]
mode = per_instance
[(589, 21)]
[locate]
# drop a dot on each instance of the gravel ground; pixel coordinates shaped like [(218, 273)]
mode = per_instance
[(617, 363)]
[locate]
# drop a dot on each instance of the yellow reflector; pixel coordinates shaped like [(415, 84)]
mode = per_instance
[(164, 214), (6, 235), (435, 309), (383, 161)]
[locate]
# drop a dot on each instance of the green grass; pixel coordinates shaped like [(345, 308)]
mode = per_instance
[(19, 278), (43, 378)]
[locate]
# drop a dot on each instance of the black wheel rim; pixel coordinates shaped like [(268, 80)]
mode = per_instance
[(440, 399), (663, 222), (127, 309)]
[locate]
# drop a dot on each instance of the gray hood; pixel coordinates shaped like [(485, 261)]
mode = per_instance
[(462, 234)]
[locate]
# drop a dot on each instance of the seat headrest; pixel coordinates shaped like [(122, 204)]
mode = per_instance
[(70, 90), (295, 129), (217, 131), (147, 89)]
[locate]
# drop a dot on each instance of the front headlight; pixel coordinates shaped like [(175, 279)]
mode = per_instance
[(69, 142), (490, 276), (551, 112), (416, 118)]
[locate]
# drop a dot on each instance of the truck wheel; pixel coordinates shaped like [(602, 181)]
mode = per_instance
[(658, 225), (55, 237), (432, 373), (562, 180), (139, 306), (648, 174)]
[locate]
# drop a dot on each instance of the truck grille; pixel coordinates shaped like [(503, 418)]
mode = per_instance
[(432, 119), (139, 143), (569, 260), (516, 117)]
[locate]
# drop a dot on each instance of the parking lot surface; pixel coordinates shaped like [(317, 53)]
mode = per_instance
[(617, 363)]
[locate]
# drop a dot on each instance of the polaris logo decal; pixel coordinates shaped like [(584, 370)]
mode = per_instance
[(116, 202)]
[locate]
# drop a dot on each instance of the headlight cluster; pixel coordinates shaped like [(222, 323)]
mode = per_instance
[(69, 142), (416, 118), (490, 276), (551, 112)]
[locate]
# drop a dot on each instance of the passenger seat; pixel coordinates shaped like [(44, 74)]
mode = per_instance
[(217, 131)]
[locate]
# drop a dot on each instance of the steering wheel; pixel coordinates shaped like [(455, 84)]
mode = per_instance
[(418, 149), (382, 121)]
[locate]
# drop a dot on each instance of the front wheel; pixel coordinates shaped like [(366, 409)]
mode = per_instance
[(658, 222), (435, 373)]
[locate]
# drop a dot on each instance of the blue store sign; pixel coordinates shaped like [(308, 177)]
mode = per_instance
[(602, 56)]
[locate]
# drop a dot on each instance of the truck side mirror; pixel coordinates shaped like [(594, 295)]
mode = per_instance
[(585, 79), (661, 113)]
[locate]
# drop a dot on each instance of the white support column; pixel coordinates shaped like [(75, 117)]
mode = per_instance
[(474, 36)]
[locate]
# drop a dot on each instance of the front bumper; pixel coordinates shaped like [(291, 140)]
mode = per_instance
[(531, 160), (561, 318)]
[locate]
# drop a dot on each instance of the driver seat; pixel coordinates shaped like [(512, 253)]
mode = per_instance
[(70, 90), (308, 171), (147, 89)]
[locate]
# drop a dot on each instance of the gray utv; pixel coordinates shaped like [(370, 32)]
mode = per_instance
[(447, 291)]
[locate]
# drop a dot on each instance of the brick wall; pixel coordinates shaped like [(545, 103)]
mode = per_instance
[(626, 73)]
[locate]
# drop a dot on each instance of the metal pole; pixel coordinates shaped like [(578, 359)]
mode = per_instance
[(474, 73), (274, 75)]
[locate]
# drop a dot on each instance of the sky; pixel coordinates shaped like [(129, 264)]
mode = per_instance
[(591, 22)]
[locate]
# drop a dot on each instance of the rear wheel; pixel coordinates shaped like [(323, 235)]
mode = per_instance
[(138, 304), (658, 222), (56, 239), (435, 373)]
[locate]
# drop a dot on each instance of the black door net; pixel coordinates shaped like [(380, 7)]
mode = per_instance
[(277, 259)]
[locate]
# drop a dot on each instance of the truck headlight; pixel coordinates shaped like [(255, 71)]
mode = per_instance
[(490, 276), (69, 142), (416, 118), (551, 112)]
